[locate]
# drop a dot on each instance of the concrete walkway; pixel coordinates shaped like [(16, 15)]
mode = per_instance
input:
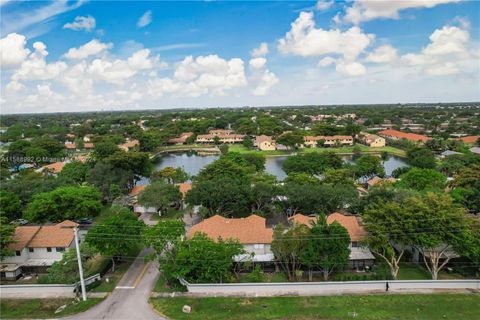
[(129, 300)]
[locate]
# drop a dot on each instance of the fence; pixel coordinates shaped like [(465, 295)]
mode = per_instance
[(43, 290), (324, 288)]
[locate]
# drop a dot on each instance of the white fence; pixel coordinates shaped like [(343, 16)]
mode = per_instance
[(324, 288), (43, 290)]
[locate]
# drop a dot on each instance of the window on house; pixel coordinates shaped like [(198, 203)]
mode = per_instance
[(18, 253), (30, 250), (60, 249), (49, 249), (258, 246), (355, 244)]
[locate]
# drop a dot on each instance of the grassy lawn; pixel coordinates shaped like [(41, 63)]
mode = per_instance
[(373, 307), (347, 149), (113, 277), (42, 308), (163, 286)]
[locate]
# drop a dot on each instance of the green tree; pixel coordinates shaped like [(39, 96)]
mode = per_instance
[(10, 206), (369, 166), (312, 163), (163, 234), (389, 231), (160, 195), (116, 235), (223, 148), (171, 175), (290, 139), (255, 160), (327, 248), (69, 202), (339, 176), (110, 181), (264, 189), (288, 246), (248, 142), (422, 179), (6, 238), (102, 150), (133, 161), (440, 229), (75, 171), (201, 259), (421, 158)]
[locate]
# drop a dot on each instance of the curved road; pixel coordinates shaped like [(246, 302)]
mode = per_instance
[(129, 300)]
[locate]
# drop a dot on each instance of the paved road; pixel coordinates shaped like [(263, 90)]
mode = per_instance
[(129, 300)]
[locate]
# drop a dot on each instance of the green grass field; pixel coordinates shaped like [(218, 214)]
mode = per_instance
[(373, 307), (42, 308)]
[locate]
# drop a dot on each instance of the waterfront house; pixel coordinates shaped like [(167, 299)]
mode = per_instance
[(265, 143), (398, 135), (371, 140), (313, 141), (181, 139)]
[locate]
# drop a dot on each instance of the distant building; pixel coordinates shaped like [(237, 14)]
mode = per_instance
[(312, 141), (52, 168), (468, 139), (371, 140), (224, 136), (36, 248), (265, 143), (136, 207), (129, 145), (398, 135), (377, 180), (181, 139)]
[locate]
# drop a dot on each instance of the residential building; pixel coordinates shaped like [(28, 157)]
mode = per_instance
[(36, 248), (129, 145), (371, 140), (181, 139), (312, 141), (184, 188), (468, 139), (224, 136), (265, 143), (251, 232), (377, 180), (360, 256), (136, 207), (398, 135), (52, 168)]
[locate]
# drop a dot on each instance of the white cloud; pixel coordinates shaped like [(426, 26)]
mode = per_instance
[(383, 54), (325, 62), (261, 51), (305, 40), (447, 53), (81, 23), (267, 80), (350, 68), (365, 10), (15, 86), (13, 51), (257, 63), (36, 68), (145, 19), (117, 71), (324, 4), (17, 22), (92, 48)]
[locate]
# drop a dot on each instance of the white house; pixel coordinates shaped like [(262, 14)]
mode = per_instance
[(36, 248)]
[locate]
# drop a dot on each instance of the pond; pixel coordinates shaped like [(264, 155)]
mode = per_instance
[(193, 163)]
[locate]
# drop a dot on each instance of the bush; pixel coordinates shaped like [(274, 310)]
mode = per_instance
[(256, 275)]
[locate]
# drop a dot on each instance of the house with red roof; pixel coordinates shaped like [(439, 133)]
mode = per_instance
[(36, 248), (252, 232), (398, 135)]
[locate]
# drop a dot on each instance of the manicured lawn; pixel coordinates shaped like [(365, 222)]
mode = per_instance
[(113, 277), (347, 149), (373, 307), (42, 308)]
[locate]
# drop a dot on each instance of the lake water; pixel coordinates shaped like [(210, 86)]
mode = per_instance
[(193, 163)]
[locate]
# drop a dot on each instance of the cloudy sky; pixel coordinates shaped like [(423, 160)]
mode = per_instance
[(92, 55)]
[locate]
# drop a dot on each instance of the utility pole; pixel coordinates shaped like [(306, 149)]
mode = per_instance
[(80, 268)]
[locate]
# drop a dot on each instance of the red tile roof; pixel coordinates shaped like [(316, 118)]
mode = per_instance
[(55, 167), (44, 236), (468, 139), (303, 219), (404, 135), (184, 188), (136, 190), (249, 230), (351, 223)]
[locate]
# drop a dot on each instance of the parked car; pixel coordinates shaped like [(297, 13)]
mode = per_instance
[(85, 221), (19, 222)]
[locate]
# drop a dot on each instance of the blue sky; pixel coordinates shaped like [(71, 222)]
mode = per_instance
[(201, 53)]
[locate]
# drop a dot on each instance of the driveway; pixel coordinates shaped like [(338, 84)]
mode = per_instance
[(129, 300)]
